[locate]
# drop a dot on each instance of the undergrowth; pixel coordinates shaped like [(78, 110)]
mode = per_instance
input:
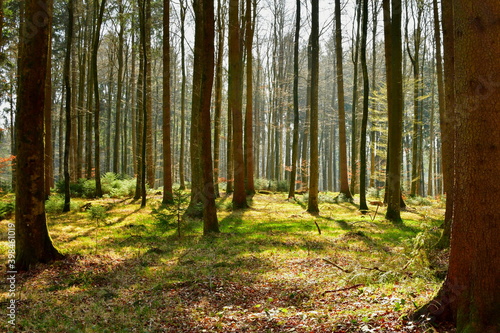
[(269, 270)]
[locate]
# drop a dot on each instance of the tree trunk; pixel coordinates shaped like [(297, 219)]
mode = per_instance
[(470, 294), (218, 95), (344, 180), (204, 62), (67, 84), (49, 153), (393, 56), (118, 130), (182, 157), (295, 144), (97, 146), (167, 153), (234, 105), (446, 113), (248, 148), (364, 120), (312, 204), (33, 243)]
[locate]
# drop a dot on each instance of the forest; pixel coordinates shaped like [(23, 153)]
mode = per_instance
[(250, 166)]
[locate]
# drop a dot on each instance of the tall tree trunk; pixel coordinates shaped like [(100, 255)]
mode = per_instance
[(364, 120), (446, 112), (97, 146), (67, 84), (204, 61), (470, 294), (354, 126), (248, 147), (344, 180), (144, 16), (182, 157), (150, 165), (218, 95), (295, 144), (33, 243), (234, 104), (312, 204), (49, 153), (120, 78), (393, 56), (167, 153)]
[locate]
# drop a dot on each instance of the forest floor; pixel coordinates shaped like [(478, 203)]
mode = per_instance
[(269, 270)]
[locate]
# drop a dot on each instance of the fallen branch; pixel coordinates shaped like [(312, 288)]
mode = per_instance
[(336, 266), (343, 289)]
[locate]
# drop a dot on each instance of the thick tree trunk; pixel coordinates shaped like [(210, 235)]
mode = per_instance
[(470, 295), (204, 61), (33, 243), (234, 104), (393, 55)]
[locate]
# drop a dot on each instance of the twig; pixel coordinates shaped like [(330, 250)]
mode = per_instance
[(343, 289), (336, 266), (317, 226), (373, 269)]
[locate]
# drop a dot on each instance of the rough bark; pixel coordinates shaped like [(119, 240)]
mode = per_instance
[(393, 56), (248, 144), (204, 61), (235, 104), (470, 294), (33, 244)]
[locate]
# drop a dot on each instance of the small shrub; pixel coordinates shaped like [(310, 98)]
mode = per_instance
[(418, 201), (55, 204), (6, 210), (170, 216)]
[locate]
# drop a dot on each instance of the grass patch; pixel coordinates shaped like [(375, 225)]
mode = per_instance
[(268, 271)]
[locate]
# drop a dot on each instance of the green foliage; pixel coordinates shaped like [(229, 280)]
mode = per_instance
[(374, 192), (6, 210), (97, 213), (113, 185), (271, 185), (418, 201), (55, 204), (168, 217)]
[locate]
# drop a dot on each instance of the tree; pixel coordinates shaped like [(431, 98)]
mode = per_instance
[(364, 120), (234, 104), (97, 144), (344, 181), (67, 59), (295, 144), (470, 294), (312, 204), (183, 96), (394, 77), (218, 93), (204, 62), (116, 142), (446, 113), (33, 243), (248, 158), (167, 153)]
